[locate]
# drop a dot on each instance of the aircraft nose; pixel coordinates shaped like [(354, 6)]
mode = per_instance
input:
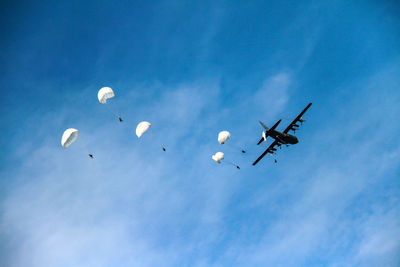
[(296, 140)]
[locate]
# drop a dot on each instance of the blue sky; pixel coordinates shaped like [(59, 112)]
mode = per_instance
[(193, 69)]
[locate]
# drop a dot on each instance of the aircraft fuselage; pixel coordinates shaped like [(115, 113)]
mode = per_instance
[(286, 139)]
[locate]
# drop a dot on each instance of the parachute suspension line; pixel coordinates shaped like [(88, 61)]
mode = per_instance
[(230, 163), (223, 137), (252, 149), (248, 149), (104, 94), (142, 127), (241, 148), (238, 148), (70, 136), (85, 150), (115, 113)]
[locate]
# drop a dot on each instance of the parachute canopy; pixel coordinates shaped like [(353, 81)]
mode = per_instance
[(104, 94), (223, 136), (218, 157), (69, 136), (142, 128)]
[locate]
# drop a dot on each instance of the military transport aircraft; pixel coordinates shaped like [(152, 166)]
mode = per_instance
[(281, 138)]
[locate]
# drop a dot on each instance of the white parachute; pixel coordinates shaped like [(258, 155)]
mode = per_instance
[(223, 137), (142, 128), (104, 94), (218, 157), (69, 136)]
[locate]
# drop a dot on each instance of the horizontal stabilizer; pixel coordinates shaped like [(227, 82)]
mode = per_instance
[(265, 134), (259, 142)]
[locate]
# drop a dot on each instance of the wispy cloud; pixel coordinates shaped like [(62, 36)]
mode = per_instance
[(331, 200), (136, 205), (319, 213)]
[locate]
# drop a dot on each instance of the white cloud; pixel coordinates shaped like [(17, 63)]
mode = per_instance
[(314, 208), (380, 242), (135, 205), (273, 95)]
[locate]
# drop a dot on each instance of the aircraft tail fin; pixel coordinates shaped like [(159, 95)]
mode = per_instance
[(265, 133), (263, 125)]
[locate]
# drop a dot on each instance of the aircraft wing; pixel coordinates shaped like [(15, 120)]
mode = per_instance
[(259, 142), (293, 125), (270, 150)]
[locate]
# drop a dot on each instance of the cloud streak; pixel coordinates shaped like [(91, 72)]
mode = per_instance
[(331, 200)]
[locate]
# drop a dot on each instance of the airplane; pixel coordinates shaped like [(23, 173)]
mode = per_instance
[(281, 138)]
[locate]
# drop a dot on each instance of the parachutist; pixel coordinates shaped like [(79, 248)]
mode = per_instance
[(163, 148), (238, 167), (91, 156), (276, 161), (120, 119), (243, 151)]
